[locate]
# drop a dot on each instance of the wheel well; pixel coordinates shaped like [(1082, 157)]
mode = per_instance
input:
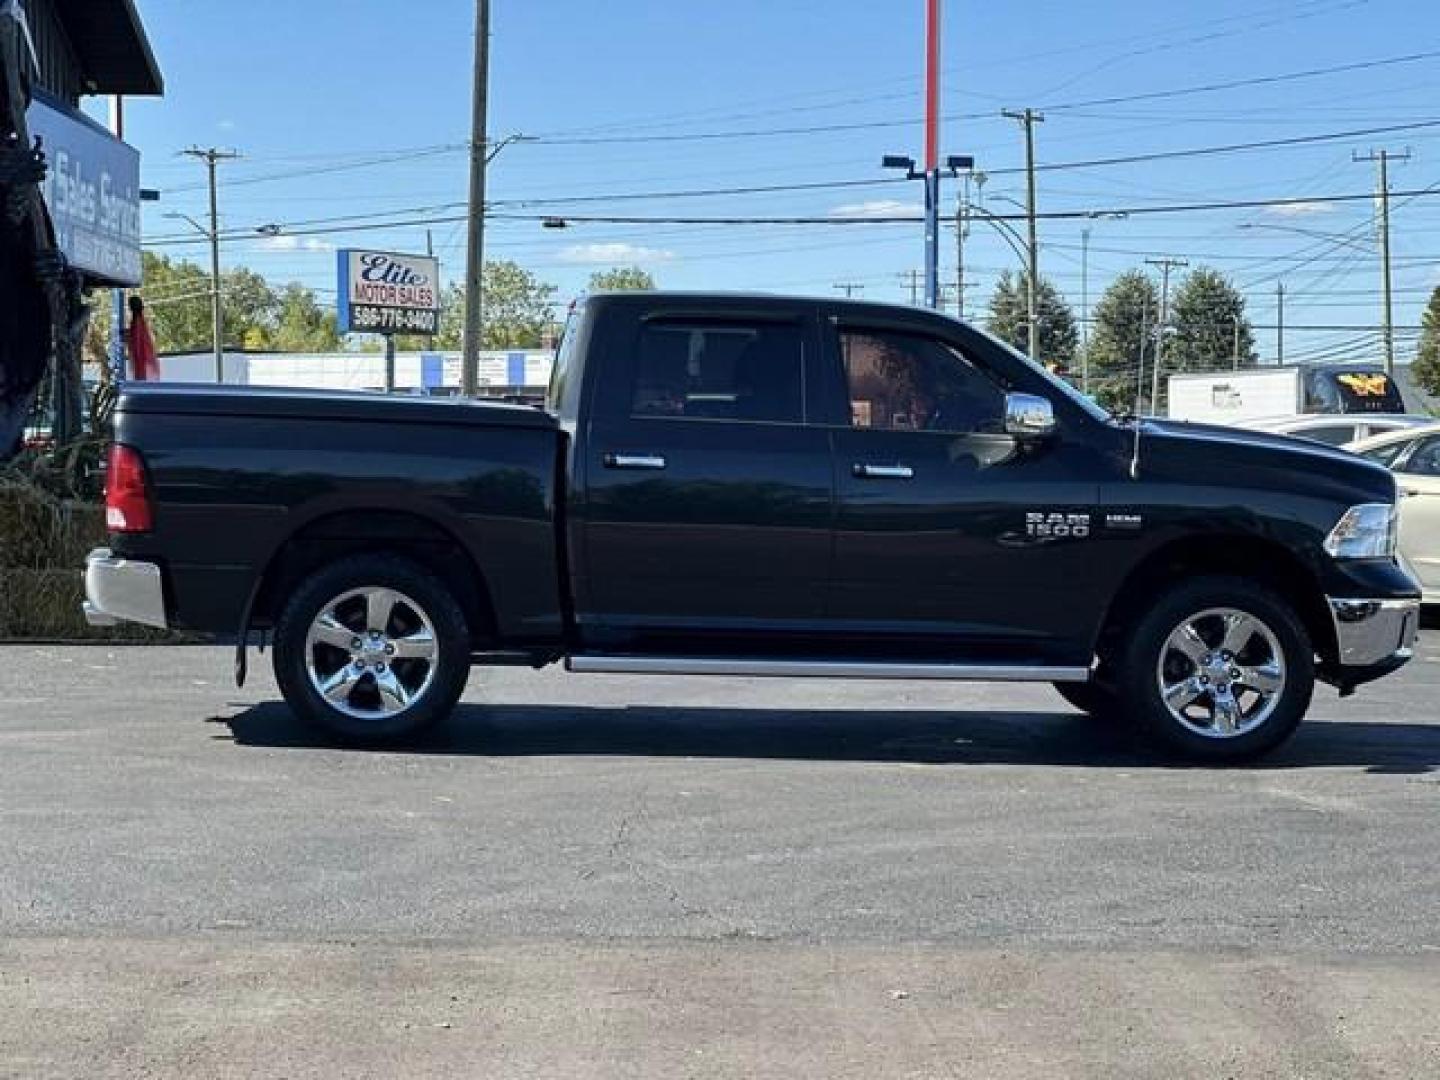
[(1241, 556), (355, 532)]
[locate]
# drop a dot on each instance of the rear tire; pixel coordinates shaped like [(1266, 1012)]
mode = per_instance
[(1220, 669), (373, 648)]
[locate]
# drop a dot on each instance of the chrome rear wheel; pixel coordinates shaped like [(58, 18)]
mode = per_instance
[(371, 652)]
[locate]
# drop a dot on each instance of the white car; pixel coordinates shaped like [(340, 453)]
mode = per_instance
[(1414, 456), (1337, 429)]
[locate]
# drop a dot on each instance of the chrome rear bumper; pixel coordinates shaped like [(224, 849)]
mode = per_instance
[(1371, 632), (122, 590)]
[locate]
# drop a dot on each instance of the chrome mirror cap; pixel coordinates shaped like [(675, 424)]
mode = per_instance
[(1028, 416)]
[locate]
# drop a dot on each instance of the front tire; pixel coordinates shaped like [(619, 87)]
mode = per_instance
[(373, 648), (1221, 669)]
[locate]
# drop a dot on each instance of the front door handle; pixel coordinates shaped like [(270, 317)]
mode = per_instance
[(634, 461), (882, 472)]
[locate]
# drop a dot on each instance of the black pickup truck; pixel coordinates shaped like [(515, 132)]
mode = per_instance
[(749, 485)]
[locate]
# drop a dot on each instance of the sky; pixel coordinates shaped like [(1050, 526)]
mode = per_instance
[(360, 110)]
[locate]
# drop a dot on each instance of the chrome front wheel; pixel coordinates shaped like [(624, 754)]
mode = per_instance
[(1221, 672), (1220, 668)]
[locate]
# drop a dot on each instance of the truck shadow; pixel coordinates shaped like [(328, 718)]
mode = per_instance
[(971, 737)]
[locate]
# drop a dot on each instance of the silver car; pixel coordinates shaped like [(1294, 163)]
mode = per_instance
[(1413, 454)]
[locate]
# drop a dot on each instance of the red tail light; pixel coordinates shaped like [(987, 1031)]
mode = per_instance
[(127, 500)]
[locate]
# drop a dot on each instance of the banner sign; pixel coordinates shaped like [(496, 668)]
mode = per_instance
[(381, 292), (92, 190)]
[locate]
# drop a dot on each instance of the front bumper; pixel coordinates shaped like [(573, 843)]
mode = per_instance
[(122, 590), (1374, 637)]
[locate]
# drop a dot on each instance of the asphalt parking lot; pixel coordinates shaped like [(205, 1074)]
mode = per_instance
[(613, 876)]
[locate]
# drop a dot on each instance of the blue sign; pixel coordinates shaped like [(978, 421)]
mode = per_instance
[(92, 189)]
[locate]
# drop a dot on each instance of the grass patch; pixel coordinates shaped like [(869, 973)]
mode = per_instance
[(44, 538)]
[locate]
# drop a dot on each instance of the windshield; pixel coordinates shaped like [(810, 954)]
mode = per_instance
[(1085, 401)]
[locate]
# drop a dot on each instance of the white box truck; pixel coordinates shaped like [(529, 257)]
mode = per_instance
[(1239, 397)]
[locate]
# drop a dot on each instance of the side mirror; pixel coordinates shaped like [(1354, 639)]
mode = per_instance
[(1028, 416)]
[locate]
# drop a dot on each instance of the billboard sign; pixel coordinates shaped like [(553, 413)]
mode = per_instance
[(92, 190), (381, 292)]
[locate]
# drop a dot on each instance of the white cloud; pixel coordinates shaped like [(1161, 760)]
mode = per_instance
[(877, 208), (614, 254), (295, 243), (1304, 208), (226, 125)]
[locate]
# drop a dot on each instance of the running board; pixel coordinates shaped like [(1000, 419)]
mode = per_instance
[(826, 669)]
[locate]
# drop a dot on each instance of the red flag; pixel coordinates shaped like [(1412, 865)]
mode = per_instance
[(144, 365)]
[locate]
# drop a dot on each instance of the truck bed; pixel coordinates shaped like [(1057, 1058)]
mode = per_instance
[(240, 473)]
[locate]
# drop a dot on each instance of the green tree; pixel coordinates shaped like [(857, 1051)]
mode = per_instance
[(1009, 319), (516, 313), (177, 305), (1426, 369), (622, 279), (1115, 339), (1208, 327), (302, 325)]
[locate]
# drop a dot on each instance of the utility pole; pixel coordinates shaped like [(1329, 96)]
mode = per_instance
[(849, 288), (1166, 265), (1235, 348), (475, 247), (213, 157), (1279, 323), (1029, 118), (914, 278), (1383, 159)]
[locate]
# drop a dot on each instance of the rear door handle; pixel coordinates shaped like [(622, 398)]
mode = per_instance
[(634, 461), (882, 472)]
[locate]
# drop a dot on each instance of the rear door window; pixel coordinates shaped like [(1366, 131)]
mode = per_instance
[(720, 371)]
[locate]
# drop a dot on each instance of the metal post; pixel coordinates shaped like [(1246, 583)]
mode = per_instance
[(1235, 349), (932, 153), (960, 200), (1085, 309), (1279, 323), (932, 238), (475, 248), (389, 363), (117, 296)]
